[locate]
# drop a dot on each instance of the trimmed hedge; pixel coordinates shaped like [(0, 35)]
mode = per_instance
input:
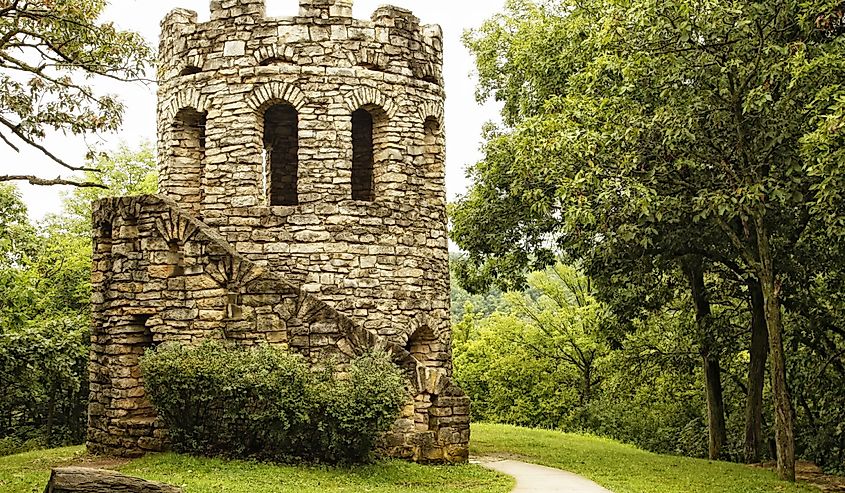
[(266, 403)]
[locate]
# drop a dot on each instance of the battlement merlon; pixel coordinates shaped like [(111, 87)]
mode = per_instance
[(392, 41)]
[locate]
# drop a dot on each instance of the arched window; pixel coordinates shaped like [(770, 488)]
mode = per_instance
[(188, 156), (425, 347), (369, 138), (281, 154), (363, 158), (432, 131)]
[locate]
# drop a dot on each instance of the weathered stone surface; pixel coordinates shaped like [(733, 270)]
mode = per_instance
[(303, 205), (84, 480)]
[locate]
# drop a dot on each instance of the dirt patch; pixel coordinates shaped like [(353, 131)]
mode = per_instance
[(812, 474)]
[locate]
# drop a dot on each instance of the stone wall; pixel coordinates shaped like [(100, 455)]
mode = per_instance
[(382, 262), (297, 222), (161, 275)]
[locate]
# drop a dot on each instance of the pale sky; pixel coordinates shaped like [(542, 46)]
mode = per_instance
[(464, 117)]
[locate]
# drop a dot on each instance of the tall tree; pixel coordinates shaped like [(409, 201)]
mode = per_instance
[(694, 271), (49, 51), (655, 124)]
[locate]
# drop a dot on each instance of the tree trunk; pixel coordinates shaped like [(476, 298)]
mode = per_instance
[(756, 375), (83, 480), (715, 405), (712, 369), (784, 433), (51, 414), (588, 386)]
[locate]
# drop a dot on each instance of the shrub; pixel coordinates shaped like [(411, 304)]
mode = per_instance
[(353, 411), (266, 403)]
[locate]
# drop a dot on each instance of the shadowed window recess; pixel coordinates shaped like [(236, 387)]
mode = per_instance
[(281, 154)]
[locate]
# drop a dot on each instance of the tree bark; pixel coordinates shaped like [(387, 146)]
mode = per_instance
[(784, 432), (756, 375), (84, 480), (51, 414), (717, 432)]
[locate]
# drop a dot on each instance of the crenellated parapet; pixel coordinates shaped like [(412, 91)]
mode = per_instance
[(323, 34)]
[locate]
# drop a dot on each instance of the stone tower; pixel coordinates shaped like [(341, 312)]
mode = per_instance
[(302, 203)]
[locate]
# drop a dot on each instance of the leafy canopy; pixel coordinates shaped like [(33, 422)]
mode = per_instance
[(650, 125), (50, 50)]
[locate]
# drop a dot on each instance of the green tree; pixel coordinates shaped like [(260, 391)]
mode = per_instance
[(537, 361), (125, 172), (654, 124), (49, 49), (45, 295)]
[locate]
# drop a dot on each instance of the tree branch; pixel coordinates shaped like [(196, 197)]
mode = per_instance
[(16, 130), (34, 180)]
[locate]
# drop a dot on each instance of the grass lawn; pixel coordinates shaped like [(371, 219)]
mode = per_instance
[(623, 468), (620, 468), (29, 472)]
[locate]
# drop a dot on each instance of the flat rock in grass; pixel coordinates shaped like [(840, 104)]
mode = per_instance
[(85, 480)]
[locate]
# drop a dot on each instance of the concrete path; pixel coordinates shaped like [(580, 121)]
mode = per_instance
[(531, 478)]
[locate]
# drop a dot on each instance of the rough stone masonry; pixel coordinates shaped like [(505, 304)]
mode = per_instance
[(302, 204)]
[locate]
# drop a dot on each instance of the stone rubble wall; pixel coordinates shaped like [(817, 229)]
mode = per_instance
[(324, 274), (384, 263), (160, 275)]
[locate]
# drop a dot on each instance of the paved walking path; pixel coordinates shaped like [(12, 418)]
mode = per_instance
[(531, 478)]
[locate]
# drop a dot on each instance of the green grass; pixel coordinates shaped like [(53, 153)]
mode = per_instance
[(29, 472), (623, 468), (620, 468)]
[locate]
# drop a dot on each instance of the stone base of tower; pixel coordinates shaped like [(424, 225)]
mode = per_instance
[(162, 275)]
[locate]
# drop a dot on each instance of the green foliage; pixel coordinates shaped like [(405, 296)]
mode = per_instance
[(43, 382), (43, 333), (125, 172), (50, 49), (629, 123), (351, 412), (217, 400), (45, 295), (528, 363), (639, 134), (16, 234), (463, 302), (266, 403), (537, 361)]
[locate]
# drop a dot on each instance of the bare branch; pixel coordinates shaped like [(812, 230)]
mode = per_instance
[(34, 180), (16, 130), (9, 142)]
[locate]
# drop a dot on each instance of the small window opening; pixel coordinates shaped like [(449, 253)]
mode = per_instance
[(423, 345), (273, 61), (105, 238), (430, 78), (176, 259), (363, 157), (432, 131), (281, 155), (189, 70), (188, 156), (138, 328), (234, 311)]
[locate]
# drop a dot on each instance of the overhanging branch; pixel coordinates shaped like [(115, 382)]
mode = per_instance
[(34, 180)]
